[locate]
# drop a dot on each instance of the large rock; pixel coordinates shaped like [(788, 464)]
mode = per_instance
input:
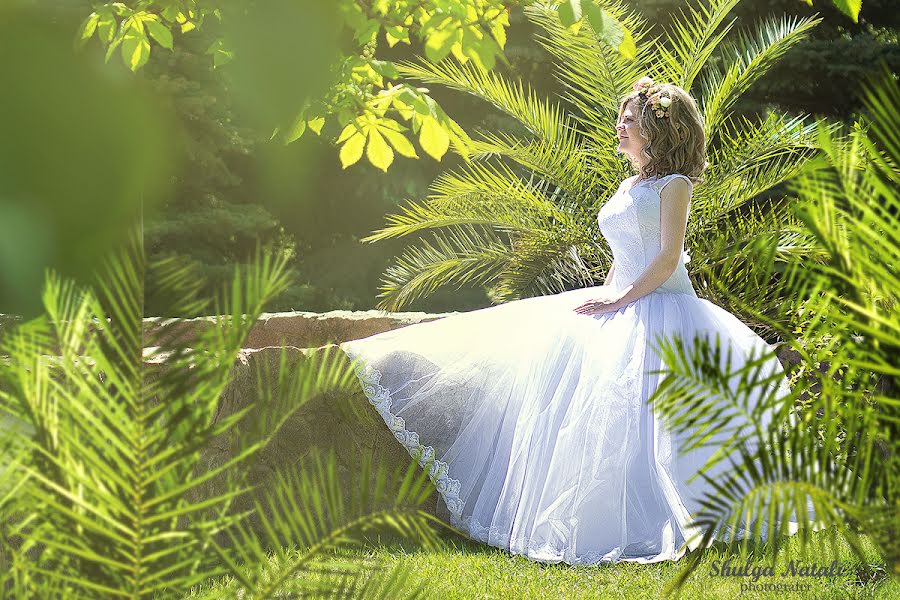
[(299, 329), (337, 418)]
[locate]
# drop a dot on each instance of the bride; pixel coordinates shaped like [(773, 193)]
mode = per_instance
[(532, 416)]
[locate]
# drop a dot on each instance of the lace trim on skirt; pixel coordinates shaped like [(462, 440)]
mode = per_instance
[(449, 488), (380, 397)]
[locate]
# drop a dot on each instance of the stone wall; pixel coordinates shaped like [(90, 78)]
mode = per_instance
[(337, 419), (303, 329)]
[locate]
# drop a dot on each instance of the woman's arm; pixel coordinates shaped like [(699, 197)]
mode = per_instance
[(675, 199), (609, 274)]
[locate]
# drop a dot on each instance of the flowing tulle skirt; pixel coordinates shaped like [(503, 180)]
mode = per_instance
[(535, 423)]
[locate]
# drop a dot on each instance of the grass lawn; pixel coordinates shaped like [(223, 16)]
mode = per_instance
[(468, 570)]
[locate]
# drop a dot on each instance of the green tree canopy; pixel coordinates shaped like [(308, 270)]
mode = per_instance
[(279, 49)]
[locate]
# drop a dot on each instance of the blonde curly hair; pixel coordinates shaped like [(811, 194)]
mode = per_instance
[(676, 142)]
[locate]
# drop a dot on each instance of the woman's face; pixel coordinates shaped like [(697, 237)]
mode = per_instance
[(630, 139)]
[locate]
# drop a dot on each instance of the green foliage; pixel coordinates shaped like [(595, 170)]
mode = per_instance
[(80, 152), (573, 13), (850, 8), (212, 216), (363, 95), (821, 74), (435, 130), (104, 492)]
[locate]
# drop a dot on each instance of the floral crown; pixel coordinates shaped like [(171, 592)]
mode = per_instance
[(653, 93)]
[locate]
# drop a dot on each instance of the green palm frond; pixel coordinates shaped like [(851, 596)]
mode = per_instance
[(747, 59), (491, 179), (474, 209), (855, 221), (752, 158), (693, 39), (883, 145), (13, 486), (102, 464), (562, 162), (464, 256), (790, 471), (800, 473), (542, 263), (306, 521), (180, 288), (531, 194), (286, 380), (480, 195), (595, 75), (711, 394), (114, 496), (528, 233), (542, 118), (739, 269)]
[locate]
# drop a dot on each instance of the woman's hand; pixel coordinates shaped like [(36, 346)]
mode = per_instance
[(605, 300)]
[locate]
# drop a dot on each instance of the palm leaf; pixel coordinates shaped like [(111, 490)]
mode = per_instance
[(305, 521), (562, 162), (595, 75), (543, 119), (694, 38), (115, 504), (750, 159), (467, 256), (746, 59)]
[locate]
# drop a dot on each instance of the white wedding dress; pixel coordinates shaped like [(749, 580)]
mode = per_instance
[(536, 417)]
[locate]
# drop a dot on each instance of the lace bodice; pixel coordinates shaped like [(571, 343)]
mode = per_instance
[(630, 222)]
